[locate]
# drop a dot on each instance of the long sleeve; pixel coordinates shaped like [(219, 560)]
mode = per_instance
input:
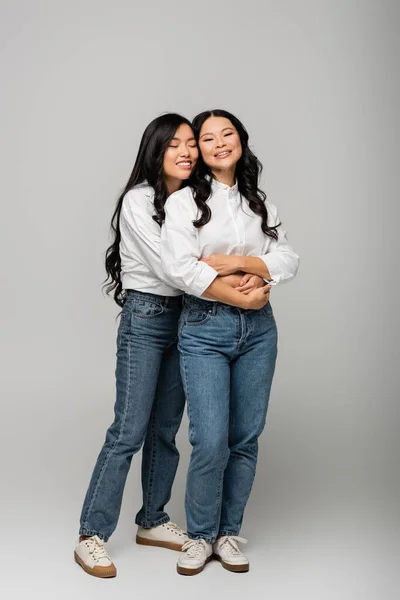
[(179, 246), (143, 233), (280, 258)]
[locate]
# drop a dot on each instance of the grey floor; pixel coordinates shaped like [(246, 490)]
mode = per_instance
[(304, 542)]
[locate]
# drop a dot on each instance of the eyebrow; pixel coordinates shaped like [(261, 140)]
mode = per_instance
[(176, 139), (225, 128)]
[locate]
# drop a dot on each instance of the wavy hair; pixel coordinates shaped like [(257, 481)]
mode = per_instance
[(148, 167), (248, 171)]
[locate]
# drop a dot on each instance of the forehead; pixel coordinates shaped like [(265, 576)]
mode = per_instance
[(184, 132), (215, 125)]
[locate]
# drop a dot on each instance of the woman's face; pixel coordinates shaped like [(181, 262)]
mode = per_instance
[(219, 144), (181, 154)]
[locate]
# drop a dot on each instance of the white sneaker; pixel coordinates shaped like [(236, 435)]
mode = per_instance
[(92, 556), (227, 552), (167, 535), (195, 555)]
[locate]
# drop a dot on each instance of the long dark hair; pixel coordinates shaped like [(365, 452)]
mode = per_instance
[(248, 171), (148, 167)]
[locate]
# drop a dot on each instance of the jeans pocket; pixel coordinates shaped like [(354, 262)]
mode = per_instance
[(267, 311), (196, 316), (146, 309)]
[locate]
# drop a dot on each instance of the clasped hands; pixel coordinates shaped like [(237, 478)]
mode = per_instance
[(229, 265)]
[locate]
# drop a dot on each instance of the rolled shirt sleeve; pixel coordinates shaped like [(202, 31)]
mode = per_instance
[(180, 251), (281, 260)]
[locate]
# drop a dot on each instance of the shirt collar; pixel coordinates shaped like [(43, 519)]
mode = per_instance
[(217, 185)]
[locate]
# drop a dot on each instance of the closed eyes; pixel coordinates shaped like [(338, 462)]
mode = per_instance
[(211, 139), (189, 146)]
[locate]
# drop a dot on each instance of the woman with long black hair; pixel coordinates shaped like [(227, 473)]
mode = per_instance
[(220, 225), (149, 394)]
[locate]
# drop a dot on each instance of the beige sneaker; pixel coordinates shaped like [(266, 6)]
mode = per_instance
[(227, 552), (194, 556), (167, 535), (92, 556)]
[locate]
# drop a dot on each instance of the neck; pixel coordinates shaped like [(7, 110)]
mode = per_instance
[(226, 177), (172, 184)]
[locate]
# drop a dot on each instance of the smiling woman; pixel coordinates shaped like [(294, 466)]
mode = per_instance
[(218, 225), (180, 157), (221, 148), (149, 395)]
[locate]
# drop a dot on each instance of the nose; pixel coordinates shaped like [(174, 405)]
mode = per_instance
[(220, 143), (184, 151)]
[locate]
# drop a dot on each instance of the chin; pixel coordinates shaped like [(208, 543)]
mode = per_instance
[(181, 174), (225, 164)]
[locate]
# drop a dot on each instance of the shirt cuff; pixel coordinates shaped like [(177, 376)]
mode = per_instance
[(273, 267), (203, 279)]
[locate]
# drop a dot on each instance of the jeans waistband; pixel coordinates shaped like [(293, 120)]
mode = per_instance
[(211, 306), (147, 296)]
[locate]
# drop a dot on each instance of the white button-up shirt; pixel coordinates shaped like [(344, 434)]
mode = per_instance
[(233, 229), (140, 245)]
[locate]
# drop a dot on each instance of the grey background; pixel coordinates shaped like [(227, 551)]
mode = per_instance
[(316, 84)]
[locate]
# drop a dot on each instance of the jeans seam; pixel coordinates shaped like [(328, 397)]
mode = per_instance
[(152, 462), (187, 394), (107, 458), (218, 503)]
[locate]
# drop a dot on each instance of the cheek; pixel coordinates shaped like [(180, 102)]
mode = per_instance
[(194, 152), (169, 162), (206, 154), (238, 149)]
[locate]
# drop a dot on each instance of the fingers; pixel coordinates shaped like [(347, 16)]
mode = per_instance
[(246, 277), (246, 286), (266, 289)]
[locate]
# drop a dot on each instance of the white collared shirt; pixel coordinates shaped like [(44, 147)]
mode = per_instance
[(233, 229), (140, 245)]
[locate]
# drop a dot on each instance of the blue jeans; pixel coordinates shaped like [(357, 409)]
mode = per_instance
[(148, 409), (228, 360)]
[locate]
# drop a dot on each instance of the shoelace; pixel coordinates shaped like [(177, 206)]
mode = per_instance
[(96, 548), (194, 548), (174, 528), (230, 543)]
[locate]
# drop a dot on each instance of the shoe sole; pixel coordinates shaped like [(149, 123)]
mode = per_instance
[(233, 568), (186, 571), (107, 573), (159, 543)]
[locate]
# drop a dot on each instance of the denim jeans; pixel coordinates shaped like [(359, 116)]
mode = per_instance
[(148, 409), (228, 360)]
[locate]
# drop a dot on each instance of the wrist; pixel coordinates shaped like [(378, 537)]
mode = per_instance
[(244, 301), (241, 263)]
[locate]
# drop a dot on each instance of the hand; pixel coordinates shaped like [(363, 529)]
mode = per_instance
[(257, 298), (250, 282), (232, 280), (224, 264)]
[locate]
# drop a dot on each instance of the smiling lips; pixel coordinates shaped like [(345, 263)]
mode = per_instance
[(184, 164), (223, 154)]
